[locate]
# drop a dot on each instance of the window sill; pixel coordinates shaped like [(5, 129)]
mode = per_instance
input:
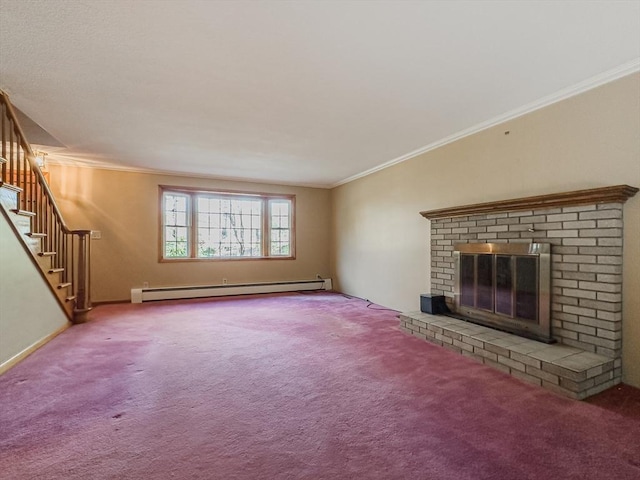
[(224, 259)]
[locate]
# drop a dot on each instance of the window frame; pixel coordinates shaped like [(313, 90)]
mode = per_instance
[(192, 248)]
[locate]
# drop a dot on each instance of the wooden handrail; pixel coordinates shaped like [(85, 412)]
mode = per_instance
[(68, 249), (32, 161)]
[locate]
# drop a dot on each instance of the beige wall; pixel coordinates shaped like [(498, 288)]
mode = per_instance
[(29, 312), (381, 243), (124, 207)]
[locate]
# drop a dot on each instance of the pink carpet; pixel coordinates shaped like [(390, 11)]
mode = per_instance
[(291, 386)]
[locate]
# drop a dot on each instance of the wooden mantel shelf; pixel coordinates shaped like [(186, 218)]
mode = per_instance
[(615, 194)]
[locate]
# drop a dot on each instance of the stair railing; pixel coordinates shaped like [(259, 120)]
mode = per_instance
[(69, 249)]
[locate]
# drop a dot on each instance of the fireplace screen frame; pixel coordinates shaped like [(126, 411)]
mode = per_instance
[(538, 328)]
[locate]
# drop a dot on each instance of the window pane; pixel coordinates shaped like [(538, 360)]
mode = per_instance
[(280, 225), (229, 227), (181, 234), (176, 221), (203, 219), (175, 202), (181, 203), (280, 207), (226, 225)]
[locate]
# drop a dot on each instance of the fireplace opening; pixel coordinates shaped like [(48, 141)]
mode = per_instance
[(506, 286)]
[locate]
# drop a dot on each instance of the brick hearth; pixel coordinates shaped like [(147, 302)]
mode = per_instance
[(566, 370)]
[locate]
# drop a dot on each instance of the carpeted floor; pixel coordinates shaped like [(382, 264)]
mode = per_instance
[(290, 386)]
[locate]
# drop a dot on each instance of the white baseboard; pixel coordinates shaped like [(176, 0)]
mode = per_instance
[(139, 295), (29, 350)]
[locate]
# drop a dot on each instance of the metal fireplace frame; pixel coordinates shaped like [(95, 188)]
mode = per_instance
[(541, 329)]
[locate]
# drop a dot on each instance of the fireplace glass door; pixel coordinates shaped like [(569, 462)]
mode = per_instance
[(488, 282), (503, 285)]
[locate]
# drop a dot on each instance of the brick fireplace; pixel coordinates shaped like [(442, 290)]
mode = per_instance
[(584, 230)]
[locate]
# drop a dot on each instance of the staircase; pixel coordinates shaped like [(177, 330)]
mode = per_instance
[(61, 254)]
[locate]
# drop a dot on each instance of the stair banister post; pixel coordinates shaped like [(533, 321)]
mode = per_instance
[(83, 300)]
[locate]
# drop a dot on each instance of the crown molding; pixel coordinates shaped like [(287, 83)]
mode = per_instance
[(102, 165), (609, 76)]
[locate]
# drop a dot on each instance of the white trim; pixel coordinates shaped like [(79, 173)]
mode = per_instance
[(140, 295), (593, 82), (102, 165), (18, 357)]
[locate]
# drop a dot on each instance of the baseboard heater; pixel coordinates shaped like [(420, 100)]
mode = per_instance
[(139, 295)]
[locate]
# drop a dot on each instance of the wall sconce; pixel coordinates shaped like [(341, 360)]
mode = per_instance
[(41, 162), (41, 159)]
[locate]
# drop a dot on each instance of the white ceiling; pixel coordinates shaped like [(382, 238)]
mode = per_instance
[(309, 92)]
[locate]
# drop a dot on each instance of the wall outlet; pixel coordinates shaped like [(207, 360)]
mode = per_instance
[(96, 234), (224, 281), (145, 284)]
